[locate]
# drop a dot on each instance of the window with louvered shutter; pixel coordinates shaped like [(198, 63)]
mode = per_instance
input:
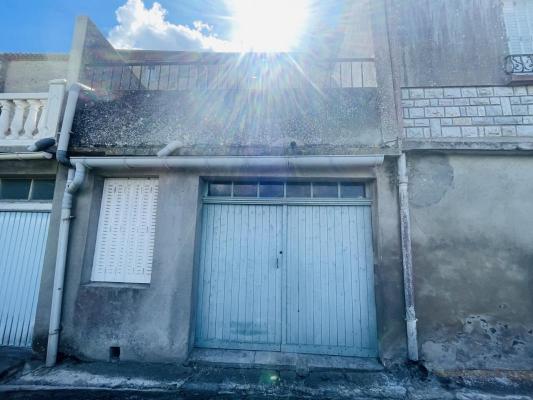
[(126, 230), (518, 16)]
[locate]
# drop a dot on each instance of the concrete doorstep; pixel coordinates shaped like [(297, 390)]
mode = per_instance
[(122, 380)]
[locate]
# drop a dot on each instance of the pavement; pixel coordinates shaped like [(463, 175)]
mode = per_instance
[(124, 380), (12, 359)]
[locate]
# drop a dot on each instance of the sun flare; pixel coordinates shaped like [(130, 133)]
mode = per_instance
[(268, 25)]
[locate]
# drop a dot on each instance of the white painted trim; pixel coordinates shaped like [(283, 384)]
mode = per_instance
[(25, 206)]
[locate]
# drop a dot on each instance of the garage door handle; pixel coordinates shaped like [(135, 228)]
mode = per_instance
[(277, 263)]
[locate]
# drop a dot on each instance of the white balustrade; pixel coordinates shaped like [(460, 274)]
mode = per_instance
[(27, 117)]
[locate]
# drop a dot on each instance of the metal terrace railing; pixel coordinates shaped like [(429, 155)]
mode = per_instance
[(255, 73), (519, 64)]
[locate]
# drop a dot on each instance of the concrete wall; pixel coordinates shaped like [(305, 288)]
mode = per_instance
[(155, 322), (33, 75), (88, 46), (471, 225), (448, 42), (230, 122)]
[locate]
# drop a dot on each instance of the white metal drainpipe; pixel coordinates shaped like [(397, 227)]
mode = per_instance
[(74, 181), (405, 227)]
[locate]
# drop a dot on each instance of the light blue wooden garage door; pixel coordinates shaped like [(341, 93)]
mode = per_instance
[(287, 277), (22, 243), (329, 279)]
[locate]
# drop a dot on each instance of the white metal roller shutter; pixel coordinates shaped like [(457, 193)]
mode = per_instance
[(22, 244), (126, 231), (518, 16)]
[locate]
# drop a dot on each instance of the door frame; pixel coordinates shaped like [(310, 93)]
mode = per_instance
[(25, 206), (368, 200)]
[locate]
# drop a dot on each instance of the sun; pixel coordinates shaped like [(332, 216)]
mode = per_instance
[(268, 25)]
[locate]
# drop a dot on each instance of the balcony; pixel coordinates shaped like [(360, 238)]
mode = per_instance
[(229, 104), (27, 117), (227, 72), (520, 68)]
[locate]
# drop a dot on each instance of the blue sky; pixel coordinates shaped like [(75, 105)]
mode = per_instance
[(47, 25)]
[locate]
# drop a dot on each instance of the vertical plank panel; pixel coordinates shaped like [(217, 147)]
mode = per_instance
[(22, 239), (330, 281), (237, 294), (229, 272), (371, 299), (363, 282), (354, 277)]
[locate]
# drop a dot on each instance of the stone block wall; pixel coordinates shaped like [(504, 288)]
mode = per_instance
[(467, 112)]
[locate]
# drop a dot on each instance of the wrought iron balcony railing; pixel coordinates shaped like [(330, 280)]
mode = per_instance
[(519, 64), (233, 73)]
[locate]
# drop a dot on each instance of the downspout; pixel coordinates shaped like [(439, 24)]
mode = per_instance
[(68, 119), (74, 181), (405, 228), (170, 148)]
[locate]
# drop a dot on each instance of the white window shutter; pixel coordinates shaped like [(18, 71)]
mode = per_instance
[(518, 16), (126, 230)]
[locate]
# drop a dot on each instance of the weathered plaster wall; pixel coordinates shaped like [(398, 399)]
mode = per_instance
[(473, 254), (448, 42), (156, 323), (148, 323), (33, 75), (388, 271), (230, 121)]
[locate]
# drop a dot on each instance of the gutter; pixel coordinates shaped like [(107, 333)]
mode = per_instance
[(405, 228), (248, 163), (42, 155)]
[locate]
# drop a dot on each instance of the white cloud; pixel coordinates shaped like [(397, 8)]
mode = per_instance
[(147, 28)]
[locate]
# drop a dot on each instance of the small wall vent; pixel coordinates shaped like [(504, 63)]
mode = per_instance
[(114, 353)]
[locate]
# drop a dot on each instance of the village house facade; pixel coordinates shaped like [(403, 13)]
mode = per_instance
[(369, 198)]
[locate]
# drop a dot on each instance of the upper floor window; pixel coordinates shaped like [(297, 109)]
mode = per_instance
[(518, 16)]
